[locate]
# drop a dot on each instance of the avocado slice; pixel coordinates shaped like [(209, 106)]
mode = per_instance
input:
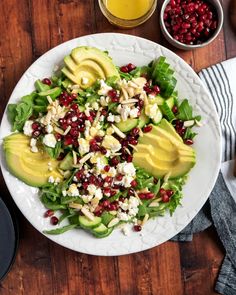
[(88, 63), (31, 168), (164, 124), (180, 168), (162, 151)]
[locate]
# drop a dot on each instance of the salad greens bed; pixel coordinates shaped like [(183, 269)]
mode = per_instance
[(100, 188)]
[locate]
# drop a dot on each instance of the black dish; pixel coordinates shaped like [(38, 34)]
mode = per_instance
[(8, 239)]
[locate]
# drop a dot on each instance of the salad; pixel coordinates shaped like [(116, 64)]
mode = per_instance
[(107, 146)]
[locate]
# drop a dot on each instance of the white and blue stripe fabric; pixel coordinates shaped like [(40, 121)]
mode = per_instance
[(220, 209)]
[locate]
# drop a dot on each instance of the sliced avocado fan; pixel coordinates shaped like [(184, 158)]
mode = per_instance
[(87, 64), (162, 151), (31, 168)]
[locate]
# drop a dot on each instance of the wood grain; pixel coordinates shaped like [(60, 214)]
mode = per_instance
[(28, 29)]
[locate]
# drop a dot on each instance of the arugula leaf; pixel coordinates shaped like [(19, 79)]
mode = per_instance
[(53, 152), (19, 113), (60, 230), (185, 111), (189, 134)]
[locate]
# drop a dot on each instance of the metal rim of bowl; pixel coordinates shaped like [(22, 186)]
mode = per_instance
[(171, 40)]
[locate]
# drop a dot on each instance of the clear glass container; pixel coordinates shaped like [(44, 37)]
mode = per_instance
[(127, 13)]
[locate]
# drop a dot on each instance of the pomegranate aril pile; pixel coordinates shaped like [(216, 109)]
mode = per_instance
[(190, 22)]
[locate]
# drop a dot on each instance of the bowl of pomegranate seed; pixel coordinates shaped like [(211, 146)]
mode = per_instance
[(188, 24)]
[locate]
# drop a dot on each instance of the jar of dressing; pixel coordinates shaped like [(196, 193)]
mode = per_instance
[(127, 13)]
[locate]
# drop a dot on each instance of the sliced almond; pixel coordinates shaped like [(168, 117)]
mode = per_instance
[(145, 219), (67, 130), (167, 176), (133, 147), (75, 205), (199, 124), (155, 203), (189, 123), (74, 157), (125, 93), (118, 132), (88, 214), (113, 222), (49, 99), (131, 100), (59, 130), (136, 195), (85, 158)]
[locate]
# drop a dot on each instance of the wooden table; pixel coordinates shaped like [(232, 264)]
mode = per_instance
[(28, 29)]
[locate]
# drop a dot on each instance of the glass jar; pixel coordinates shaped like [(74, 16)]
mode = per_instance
[(127, 13)]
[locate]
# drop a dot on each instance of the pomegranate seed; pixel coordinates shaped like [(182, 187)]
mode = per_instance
[(162, 191), (175, 109), (92, 142), (68, 140), (113, 193), (103, 150), (133, 141), (49, 213), (119, 177), (156, 89), (108, 179), (85, 185), (36, 133), (188, 141), (74, 96), (165, 198), (131, 67), (79, 174), (103, 112), (147, 128), (124, 69), (74, 106), (137, 228), (58, 136), (47, 81), (115, 161), (35, 126), (121, 199), (169, 192), (135, 131), (133, 183), (54, 220), (129, 158), (105, 203), (112, 93), (92, 179), (141, 103), (106, 168), (112, 207), (94, 148), (107, 191), (98, 138), (98, 213), (74, 132)]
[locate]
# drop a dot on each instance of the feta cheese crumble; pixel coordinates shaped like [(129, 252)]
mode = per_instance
[(50, 140), (27, 129)]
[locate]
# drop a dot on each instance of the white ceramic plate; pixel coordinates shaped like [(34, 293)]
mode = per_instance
[(124, 49)]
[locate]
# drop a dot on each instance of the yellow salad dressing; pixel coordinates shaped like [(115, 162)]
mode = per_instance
[(128, 9)]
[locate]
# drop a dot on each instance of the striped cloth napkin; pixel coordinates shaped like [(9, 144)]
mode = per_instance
[(220, 209)]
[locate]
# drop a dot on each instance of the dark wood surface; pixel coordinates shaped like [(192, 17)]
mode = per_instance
[(28, 28)]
